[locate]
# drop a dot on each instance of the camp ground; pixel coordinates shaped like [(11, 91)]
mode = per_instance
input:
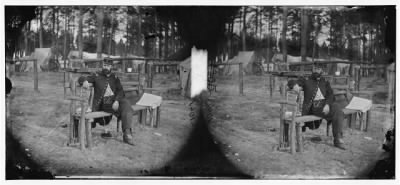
[(238, 127)]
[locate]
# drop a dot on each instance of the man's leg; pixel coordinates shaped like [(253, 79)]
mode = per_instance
[(126, 113), (337, 116)]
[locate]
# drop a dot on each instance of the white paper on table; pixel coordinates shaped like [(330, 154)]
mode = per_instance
[(150, 100), (360, 104)]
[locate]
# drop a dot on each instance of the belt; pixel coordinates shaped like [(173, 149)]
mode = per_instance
[(318, 103)]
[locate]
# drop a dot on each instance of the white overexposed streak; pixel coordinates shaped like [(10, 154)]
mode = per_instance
[(198, 74)]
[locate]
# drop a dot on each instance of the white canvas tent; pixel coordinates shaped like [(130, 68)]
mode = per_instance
[(74, 54), (247, 58), (42, 55), (184, 76)]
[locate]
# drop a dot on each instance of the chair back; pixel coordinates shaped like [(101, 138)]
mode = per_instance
[(295, 101)]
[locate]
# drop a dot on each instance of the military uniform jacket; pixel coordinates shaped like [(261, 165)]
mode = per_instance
[(100, 82), (310, 86)]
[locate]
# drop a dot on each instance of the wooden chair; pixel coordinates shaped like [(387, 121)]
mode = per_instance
[(291, 119), (80, 122), (291, 122)]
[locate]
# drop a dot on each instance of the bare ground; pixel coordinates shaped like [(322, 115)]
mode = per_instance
[(39, 121), (243, 143), (248, 130)]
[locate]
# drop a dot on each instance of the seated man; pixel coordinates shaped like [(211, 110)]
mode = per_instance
[(320, 101), (110, 97)]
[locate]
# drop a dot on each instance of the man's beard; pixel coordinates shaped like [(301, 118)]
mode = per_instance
[(106, 71), (316, 75)]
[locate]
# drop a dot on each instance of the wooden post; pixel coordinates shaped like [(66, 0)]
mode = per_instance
[(123, 66), (151, 68), (65, 87), (35, 76), (241, 78), (351, 70), (271, 85), (358, 73)]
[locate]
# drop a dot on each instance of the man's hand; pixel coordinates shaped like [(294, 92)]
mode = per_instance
[(296, 88), (115, 105), (86, 84), (325, 110)]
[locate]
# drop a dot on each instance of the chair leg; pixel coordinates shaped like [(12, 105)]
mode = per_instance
[(158, 116), (368, 119), (82, 126), (281, 134), (299, 138), (88, 126), (292, 138), (151, 111), (82, 133), (144, 117)]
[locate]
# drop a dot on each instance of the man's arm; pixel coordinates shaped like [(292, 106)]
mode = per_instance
[(119, 90), (329, 93), (89, 79)]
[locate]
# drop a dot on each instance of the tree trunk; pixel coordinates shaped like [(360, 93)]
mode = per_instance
[(57, 31), (160, 46), (260, 19), (315, 39), (256, 31), (80, 32), (284, 29), (166, 39), (41, 27), (244, 30), (53, 40), (269, 53), (100, 19), (65, 35), (127, 34), (173, 34), (231, 42), (139, 34), (110, 52), (304, 38), (26, 41)]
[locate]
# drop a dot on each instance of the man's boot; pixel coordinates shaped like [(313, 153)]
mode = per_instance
[(127, 137), (338, 143)]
